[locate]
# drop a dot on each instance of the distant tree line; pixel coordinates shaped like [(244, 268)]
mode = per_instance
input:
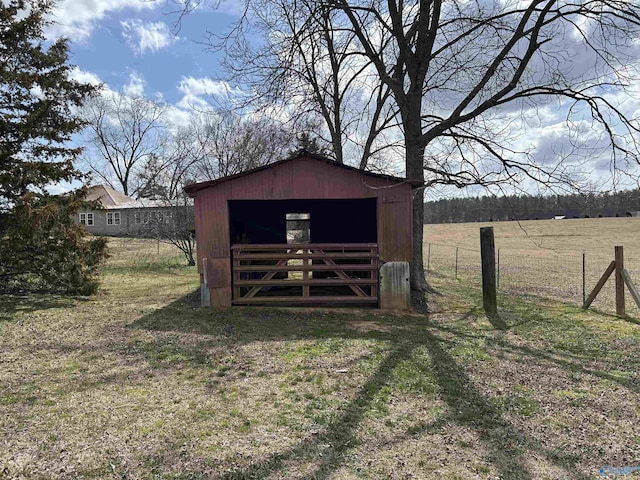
[(532, 207)]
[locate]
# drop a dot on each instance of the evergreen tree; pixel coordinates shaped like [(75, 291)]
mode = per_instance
[(40, 245)]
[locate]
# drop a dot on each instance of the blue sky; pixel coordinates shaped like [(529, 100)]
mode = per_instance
[(134, 47)]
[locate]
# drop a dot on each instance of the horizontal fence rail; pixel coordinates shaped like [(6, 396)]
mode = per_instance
[(305, 273)]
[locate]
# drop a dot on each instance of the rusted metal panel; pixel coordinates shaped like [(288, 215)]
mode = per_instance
[(394, 286), (218, 272), (307, 179), (395, 238), (212, 225), (220, 297)]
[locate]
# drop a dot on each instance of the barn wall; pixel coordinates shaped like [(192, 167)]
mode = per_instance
[(298, 179)]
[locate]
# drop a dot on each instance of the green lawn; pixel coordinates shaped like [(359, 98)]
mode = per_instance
[(138, 382)]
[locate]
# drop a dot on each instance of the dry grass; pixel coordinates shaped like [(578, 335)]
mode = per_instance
[(535, 235), (139, 383), (542, 258)]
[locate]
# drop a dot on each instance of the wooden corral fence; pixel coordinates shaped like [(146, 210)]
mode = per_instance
[(305, 273), (622, 278)]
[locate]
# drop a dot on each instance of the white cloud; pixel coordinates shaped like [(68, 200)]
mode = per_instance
[(193, 89), (135, 87), (176, 117), (76, 19), (142, 37), (84, 77)]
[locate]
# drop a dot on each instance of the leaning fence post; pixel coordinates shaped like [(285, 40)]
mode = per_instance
[(619, 281), (488, 254)]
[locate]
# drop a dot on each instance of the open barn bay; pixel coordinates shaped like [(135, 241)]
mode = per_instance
[(138, 382)]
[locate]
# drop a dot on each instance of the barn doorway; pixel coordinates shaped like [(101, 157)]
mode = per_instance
[(304, 251), (298, 227)]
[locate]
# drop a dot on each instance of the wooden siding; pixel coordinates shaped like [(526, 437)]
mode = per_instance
[(303, 178)]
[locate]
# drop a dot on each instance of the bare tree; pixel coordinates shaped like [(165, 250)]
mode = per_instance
[(465, 76), (228, 144), (172, 222), (307, 66), (212, 145), (127, 136), (460, 72), (164, 179)]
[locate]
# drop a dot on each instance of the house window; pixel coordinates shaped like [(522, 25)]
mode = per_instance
[(298, 227), (145, 217), (113, 218), (138, 218), (86, 219)]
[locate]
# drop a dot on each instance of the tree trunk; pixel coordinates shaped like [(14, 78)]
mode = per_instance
[(418, 280), (415, 171)]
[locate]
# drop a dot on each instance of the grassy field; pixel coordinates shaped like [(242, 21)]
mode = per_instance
[(531, 236), (137, 382), (542, 258)]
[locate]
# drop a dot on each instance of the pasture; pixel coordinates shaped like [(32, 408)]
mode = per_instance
[(137, 382), (542, 258), (531, 236)]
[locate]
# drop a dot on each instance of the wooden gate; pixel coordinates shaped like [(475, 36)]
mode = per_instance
[(305, 273)]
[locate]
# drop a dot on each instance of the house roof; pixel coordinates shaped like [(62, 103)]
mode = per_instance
[(111, 199), (108, 197), (195, 187)]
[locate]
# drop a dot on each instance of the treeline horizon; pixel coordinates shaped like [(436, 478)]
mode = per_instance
[(532, 207)]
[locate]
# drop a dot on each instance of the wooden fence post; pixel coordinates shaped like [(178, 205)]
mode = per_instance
[(620, 310), (488, 254)]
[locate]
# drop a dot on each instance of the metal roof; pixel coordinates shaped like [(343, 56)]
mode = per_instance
[(191, 189), (111, 199)]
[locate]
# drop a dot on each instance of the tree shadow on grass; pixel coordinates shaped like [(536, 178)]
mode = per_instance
[(549, 353), (507, 447), (614, 317), (10, 305)]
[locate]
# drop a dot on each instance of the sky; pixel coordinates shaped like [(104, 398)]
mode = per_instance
[(137, 47)]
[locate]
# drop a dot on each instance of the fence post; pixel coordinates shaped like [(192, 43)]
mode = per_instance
[(619, 281), (488, 254), (498, 271), (429, 258), (584, 277), (456, 263)]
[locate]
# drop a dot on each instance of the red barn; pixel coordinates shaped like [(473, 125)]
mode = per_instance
[(302, 230)]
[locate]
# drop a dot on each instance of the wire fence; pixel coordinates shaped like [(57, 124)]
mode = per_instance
[(567, 276)]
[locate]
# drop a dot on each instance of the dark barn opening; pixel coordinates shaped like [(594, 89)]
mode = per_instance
[(307, 221), (331, 220)]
